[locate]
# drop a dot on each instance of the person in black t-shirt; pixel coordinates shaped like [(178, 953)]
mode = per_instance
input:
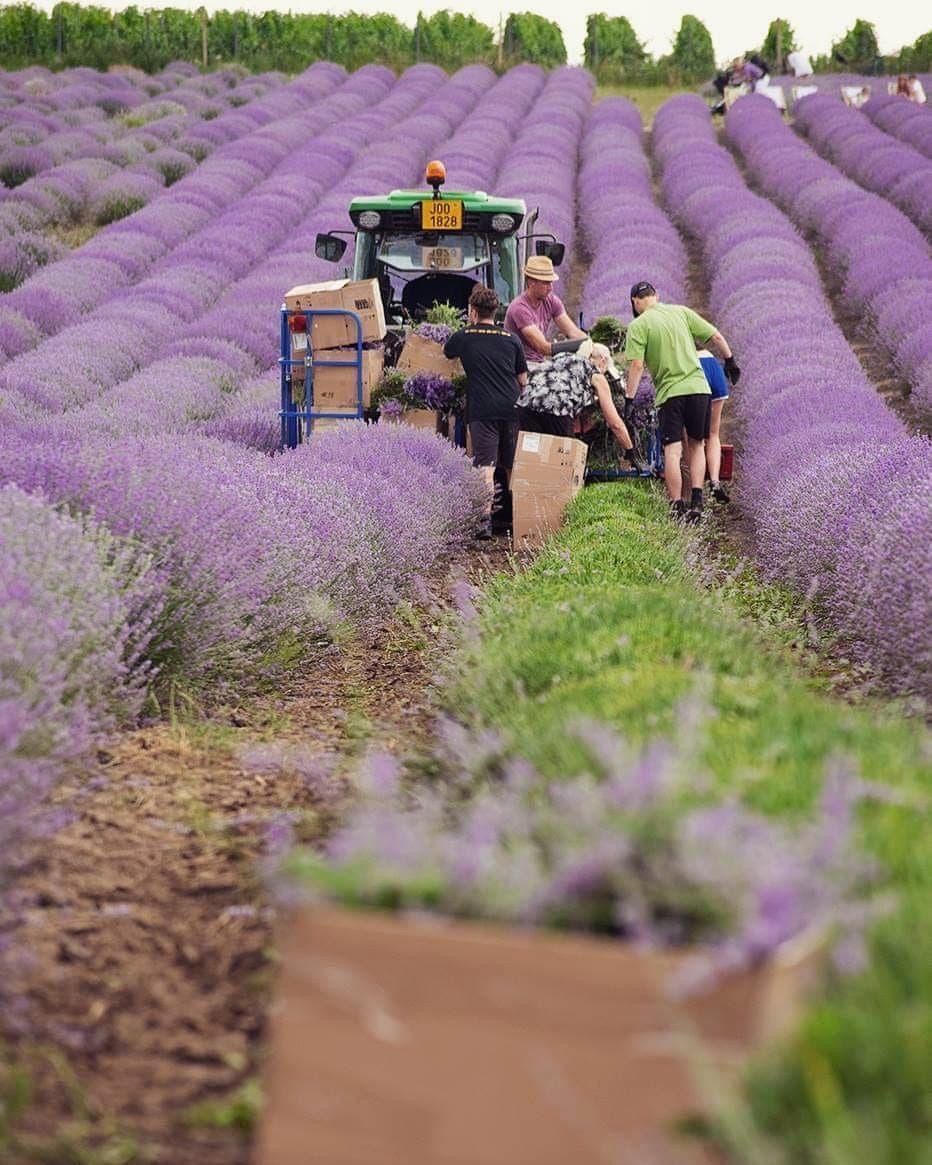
[(496, 371)]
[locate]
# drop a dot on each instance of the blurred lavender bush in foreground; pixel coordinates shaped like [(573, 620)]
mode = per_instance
[(620, 850)]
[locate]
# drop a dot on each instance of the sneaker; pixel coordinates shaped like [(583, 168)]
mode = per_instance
[(693, 516), (718, 492), (484, 530), (636, 462), (678, 510)]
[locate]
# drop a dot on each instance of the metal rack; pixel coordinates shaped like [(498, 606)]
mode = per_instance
[(298, 421)]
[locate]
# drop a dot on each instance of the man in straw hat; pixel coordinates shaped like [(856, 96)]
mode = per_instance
[(663, 337), (532, 314)]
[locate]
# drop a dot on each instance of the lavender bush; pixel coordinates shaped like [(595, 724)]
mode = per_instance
[(872, 248), (616, 852), (830, 477), (868, 155)]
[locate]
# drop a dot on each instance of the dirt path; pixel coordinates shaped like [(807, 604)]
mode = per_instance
[(149, 928)]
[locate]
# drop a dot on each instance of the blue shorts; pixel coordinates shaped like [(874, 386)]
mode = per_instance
[(715, 376)]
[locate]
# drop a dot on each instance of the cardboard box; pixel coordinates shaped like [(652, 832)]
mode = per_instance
[(422, 419), (411, 1042), (420, 355), (548, 473), (361, 297), (335, 387)]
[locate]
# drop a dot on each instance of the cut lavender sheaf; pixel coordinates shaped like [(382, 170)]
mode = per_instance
[(830, 477)]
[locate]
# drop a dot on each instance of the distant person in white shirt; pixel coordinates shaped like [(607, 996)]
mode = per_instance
[(916, 91), (799, 63)]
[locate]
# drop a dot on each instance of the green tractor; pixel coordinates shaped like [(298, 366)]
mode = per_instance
[(426, 247)]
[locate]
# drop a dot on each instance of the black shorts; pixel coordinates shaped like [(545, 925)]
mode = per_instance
[(494, 443), (534, 422), (691, 413)]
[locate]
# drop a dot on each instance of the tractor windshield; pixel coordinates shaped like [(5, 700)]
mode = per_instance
[(434, 252)]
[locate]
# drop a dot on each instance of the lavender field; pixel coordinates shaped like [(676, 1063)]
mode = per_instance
[(157, 548)]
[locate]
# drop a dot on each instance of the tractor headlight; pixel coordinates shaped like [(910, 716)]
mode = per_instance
[(502, 222), (369, 219)]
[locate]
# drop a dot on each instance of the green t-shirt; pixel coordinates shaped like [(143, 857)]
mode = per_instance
[(664, 337)]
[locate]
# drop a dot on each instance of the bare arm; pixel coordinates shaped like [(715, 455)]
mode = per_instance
[(535, 338), (719, 346), (609, 412), (568, 328), (635, 372), (522, 379)]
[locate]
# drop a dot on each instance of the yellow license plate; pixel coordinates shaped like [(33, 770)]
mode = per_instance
[(440, 214)]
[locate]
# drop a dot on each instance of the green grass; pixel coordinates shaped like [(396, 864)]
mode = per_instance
[(648, 98), (612, 623)]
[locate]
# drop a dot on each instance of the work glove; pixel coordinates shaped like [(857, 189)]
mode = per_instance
[(732, 371), (581, 347)]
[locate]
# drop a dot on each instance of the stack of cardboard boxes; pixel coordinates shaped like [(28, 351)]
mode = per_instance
[(548, 473), (334, 338)]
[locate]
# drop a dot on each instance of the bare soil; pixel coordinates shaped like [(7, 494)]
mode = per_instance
[(149, 926)]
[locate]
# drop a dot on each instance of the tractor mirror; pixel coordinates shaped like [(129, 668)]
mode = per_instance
[(329, 247), (553, 251)]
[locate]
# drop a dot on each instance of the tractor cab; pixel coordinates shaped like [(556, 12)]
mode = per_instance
[(426, 247)]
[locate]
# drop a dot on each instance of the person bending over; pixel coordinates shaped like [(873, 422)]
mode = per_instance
[(662, 337), (559, 389)]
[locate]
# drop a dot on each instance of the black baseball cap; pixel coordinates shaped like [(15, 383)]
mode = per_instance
[(639, 291)]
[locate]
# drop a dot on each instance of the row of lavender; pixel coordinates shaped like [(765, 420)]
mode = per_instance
[(880, 258), (869, 155), (839, 493), (85, 161), (903, 120), (245, 140), (236, 556)]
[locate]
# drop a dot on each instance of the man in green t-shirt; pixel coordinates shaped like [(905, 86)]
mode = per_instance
[(663, 336)]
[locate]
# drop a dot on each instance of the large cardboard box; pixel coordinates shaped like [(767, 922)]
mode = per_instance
[(413, 1042), (361, 296), (335, 387), (548, 473), (420, 355)]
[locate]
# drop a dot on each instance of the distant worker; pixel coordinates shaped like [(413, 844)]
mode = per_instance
[(718, 386), (561, 388), (916, 92), (532, 314), (799, 63), (663, 337), (902, 86), (496, 371)]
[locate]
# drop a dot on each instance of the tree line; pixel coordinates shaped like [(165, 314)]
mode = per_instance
[(76, 34)]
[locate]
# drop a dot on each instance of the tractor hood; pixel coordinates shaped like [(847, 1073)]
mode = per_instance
[(474, 211)]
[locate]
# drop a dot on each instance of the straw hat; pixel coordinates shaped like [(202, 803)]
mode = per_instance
[(541, 267)]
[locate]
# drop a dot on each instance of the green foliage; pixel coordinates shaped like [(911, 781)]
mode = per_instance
[(693, 54), (857, 49), (239, 1112), (610, 331), (611, 48), (446, 313), (529, 37), (780, 40), (914, 58), (452, 39), (622, 629)]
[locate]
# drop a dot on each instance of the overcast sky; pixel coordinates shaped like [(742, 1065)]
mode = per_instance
[(735, 25)]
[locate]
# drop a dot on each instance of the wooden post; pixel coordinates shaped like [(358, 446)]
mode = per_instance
[(203, 15)]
